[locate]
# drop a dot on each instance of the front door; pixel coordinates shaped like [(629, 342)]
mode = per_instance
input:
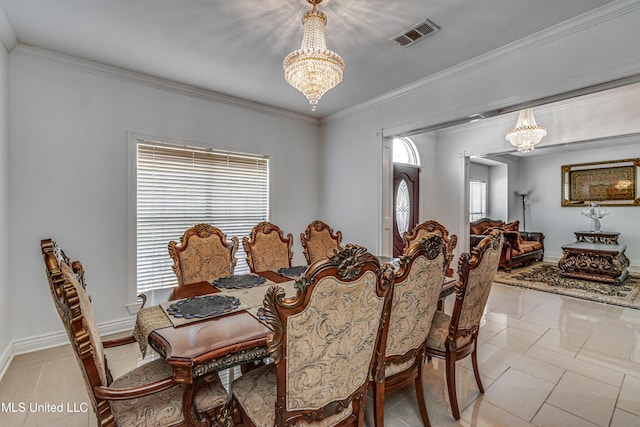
[(406, 193)]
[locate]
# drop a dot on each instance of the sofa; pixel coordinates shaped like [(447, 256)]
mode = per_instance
[(519, 248)]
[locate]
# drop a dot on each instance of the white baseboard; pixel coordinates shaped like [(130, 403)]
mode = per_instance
[(55, 339), (5, 359)]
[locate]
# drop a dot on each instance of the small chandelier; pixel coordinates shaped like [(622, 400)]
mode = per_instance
[(313, 69), (527, 133)]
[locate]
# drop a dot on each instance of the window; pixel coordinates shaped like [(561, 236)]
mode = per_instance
[(404, 151), (178, 187), (477, 200)]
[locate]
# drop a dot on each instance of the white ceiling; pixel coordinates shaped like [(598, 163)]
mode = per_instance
[(236, 47)]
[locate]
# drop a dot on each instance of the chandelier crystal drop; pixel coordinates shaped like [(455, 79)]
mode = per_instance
[(527, 133), (313, 69)]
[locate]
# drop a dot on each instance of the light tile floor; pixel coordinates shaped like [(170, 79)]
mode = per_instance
[(545, 360)]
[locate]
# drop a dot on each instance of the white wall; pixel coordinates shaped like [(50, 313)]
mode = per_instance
[(558, 223), (554, 62), (479, 172), (5, 287), (498, 206), (427, 145), (603, 116), (68, 156)]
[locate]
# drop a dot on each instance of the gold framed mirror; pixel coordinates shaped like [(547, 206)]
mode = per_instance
[(607, 183)]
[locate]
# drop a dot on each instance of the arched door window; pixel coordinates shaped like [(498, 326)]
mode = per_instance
[(406, 190), (405, 151)]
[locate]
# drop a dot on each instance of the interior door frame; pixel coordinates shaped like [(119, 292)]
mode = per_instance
[(385, 243)]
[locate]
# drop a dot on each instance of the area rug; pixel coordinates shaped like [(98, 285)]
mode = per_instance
[(545, 277)]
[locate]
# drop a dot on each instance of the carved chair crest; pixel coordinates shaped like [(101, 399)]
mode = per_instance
[(351, 264)]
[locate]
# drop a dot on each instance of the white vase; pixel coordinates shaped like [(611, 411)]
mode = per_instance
[(595, 225)]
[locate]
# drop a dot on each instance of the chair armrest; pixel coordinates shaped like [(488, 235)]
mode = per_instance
[(107, 393), (126, 340), (118, 342)]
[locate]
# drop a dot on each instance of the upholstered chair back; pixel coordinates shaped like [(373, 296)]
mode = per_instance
[(268, 248), (417, 287), (204, 255), (477, 271), (152, 395), (431, 228), (319, 241), (326, 337), (76, 312)]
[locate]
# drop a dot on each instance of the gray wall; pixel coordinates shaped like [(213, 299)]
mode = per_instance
[(69, 165), (554, 62), (67, 151), (542, 173), (5, 288)]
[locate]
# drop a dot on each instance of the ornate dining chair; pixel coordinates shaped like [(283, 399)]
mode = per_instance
[(267, 248), (148, 395), (416, 290), (319, 241), (204, 255), (324, 344), (455, 337), (431, 228)]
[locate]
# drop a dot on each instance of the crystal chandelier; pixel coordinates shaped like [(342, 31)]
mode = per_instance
[(313, 69), (527, 133)]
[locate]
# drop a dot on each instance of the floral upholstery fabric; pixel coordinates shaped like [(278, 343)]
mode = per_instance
[(424, 233), (330, 344), (269, 252), (414, 303), (478, 288), (88, 320), (433, 229), (440, 330), (165, 407), (320, 245), (395, 368), (204, 260), (256, 393)]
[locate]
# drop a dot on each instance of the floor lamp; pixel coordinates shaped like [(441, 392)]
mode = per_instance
[(525, 201)]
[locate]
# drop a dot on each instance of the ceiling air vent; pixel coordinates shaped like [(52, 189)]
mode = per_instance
[(415, 33)]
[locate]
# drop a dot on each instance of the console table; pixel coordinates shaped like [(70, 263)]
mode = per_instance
[(595, 256)]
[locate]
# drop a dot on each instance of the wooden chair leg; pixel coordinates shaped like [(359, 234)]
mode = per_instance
[(420, 395), (378, 403), (474, 362), (450, 362)]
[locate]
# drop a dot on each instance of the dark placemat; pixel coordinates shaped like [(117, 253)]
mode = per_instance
[(203, 306), (239, 281), (292, 271)]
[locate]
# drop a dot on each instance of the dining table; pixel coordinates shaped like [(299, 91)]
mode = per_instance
[(200, 347)]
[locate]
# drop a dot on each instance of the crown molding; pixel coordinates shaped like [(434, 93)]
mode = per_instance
[(548, 35), (7, 34), (96, 68)]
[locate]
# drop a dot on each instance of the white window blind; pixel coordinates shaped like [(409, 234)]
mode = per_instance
[(477, 200), (179, 187)]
